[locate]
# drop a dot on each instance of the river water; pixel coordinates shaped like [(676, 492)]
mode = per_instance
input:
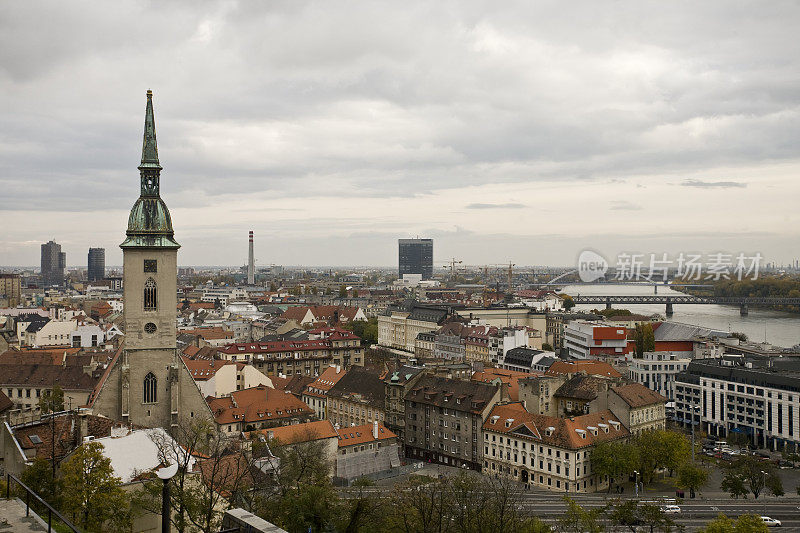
[(779, 328)]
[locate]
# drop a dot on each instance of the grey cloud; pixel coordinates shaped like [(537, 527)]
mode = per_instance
[(713, 184), (375, 100), (622, 205), (496, 206)]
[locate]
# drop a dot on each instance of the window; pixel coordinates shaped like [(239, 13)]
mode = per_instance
[(150, 265), (150, 387), (150, 295)]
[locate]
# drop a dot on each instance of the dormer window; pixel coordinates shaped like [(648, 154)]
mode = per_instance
[(509, 421)]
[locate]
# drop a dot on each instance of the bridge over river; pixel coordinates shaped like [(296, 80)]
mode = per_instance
[(669, 301)]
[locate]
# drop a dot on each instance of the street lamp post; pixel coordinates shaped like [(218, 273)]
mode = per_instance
[(165, 474), (636, 482), (764, 483)]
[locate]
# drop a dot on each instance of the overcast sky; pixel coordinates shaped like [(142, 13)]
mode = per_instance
[(505, 131)]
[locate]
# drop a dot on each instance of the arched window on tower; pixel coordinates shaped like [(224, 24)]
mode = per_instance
[(150, 295), (150, 388)]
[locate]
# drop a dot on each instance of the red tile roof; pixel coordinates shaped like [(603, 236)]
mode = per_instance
[(570, 433), (202, 370), (257, 404), (356, 435), (637, 395), (308, 431), (320, 386)]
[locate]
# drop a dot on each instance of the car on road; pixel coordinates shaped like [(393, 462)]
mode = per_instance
[(671, 509), (771, 522)]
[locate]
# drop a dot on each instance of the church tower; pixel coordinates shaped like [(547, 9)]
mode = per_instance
[(147, 383)]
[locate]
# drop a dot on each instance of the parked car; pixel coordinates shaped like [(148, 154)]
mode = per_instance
[(671, 509), (771, 522)]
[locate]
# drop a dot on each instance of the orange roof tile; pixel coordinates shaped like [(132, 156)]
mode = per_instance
[(320, 386), (571, 433), (257, 404), (308, 431), (355, 435)]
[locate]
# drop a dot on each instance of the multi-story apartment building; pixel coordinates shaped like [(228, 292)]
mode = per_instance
[(256, 408), (588, 340), (399, 326), (316, 393), (657, 370), (96, 263), (309, 357), (443, 420), (10, 290), (555, 323), (425, 344), (359, 397), (53, 264), (756, 397), (638, 407), (544, 451), (505, 339), (476, 347), (398, 384)]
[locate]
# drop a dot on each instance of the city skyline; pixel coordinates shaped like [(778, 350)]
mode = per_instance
[(527, 134)]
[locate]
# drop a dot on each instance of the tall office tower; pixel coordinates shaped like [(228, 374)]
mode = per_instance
[(251, 263), (54, 262), (416, 257), (97, 264)]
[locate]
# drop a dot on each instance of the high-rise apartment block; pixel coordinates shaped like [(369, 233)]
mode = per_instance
[(416, 257), (97, 264), (54, 262), (10, 290)]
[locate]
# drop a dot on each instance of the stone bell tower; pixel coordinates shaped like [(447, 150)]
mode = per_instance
[(148, 383)]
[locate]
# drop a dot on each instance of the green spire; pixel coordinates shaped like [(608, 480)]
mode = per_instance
[(149, 146), (149, 224)]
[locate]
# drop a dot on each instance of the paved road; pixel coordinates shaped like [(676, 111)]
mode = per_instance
[(694, 514)]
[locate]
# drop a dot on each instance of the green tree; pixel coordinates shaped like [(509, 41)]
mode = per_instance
[(547, 347), (741, 336), (91, 491), (691, 477), (342, 292), (52, 400), (648, 338), (581, 520), (638, 338), (775, 485), (614, 459), (755, 474), (568, 302), (744, 524), (624, 513), (653, 516), (272, 286), (39, 477), (733, 484), (661, 449)]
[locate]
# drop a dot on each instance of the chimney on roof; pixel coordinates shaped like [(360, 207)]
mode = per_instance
[(338, 369), (375, 429)]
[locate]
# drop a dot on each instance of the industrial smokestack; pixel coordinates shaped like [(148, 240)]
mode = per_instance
[(251, 264)]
